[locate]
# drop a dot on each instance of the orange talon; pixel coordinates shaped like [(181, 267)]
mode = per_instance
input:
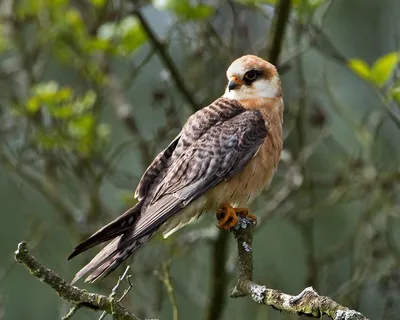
[(228, 216)]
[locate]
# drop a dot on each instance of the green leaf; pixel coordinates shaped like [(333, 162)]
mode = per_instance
[(89, 98), (64, 94), (395, 93), (45, 89), (49, 140), (85, 103), (360, 68), (4, 42), (169, 4), (103, 130), (98, 3), (107, 31), (82, 126), (63, 112), (184, 9), (132, 34), (199, 12), (33, 105), (383, 68)]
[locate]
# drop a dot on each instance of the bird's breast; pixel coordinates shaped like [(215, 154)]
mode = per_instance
[(244, 186)]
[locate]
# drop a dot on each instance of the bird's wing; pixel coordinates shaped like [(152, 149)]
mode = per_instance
[(155, 168), (197, 126), (217, 155), (200, 122)]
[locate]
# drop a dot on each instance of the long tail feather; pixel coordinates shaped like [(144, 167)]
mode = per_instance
[(112, 230), (111, 256)]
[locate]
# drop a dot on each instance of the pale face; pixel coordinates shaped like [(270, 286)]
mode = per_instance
[(251, 77)]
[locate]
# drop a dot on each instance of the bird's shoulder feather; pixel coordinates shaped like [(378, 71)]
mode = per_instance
[(200, 122)]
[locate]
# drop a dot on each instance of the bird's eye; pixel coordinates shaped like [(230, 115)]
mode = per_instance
[(250, 75)]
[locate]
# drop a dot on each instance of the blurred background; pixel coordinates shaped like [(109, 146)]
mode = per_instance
[(92, 90)]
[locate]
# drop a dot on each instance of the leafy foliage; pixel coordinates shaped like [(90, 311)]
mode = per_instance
[(185, 9), (69, 123), (380, 72)]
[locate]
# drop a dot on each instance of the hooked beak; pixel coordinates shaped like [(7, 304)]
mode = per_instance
[(234, 83)]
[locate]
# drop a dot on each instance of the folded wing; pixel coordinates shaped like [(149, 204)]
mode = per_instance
[(215, 143), (220, 152)]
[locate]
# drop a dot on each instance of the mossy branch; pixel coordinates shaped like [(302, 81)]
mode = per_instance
[(78, 297), (308, 302)]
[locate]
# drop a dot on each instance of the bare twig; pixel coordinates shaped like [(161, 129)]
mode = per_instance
[(165, 277), (115, 290), (79, 297), (167, 61), (308, 302), (280, 21), (71, 312), (41, 185), (123, 110), (219, 278)]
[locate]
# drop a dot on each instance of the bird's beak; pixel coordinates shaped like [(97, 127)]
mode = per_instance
[(234, 83)]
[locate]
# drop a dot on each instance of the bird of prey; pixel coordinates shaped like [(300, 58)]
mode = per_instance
[(225, 155)]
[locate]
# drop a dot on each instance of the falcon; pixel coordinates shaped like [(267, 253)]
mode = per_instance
[(224, 156)]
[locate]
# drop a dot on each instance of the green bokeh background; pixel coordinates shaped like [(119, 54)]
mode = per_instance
[(338, 203)]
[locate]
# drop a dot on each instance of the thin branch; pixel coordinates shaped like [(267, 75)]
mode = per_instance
[(79, 297), (278, 31), (167, 61), (219, 278), (308, 302), (116, 287), (41, 185), (71, 312), (124, 112), (165, 277)]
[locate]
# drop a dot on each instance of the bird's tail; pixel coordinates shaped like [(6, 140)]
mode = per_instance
[(111, 256), (124, 243)]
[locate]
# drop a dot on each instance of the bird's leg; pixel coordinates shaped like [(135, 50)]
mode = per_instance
[(228, 216)]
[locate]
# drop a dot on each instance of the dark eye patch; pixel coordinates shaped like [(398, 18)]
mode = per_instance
[(251, 75)]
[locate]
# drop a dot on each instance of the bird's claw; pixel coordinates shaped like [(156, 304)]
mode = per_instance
[(228, 216)]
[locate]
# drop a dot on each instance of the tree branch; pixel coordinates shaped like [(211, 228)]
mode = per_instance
[(219, 278), (308, 302), (79, 297), (167, 60), (280, 20)]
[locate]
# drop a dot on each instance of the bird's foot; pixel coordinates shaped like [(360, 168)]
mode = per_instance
[(228, 216)]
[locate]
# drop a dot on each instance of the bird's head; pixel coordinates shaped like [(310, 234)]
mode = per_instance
[(251, 77)]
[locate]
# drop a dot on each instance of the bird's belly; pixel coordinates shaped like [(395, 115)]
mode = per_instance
[(243, 187)]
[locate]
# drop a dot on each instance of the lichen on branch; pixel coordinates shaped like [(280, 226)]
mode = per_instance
[(78, 297), (308, 302)]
